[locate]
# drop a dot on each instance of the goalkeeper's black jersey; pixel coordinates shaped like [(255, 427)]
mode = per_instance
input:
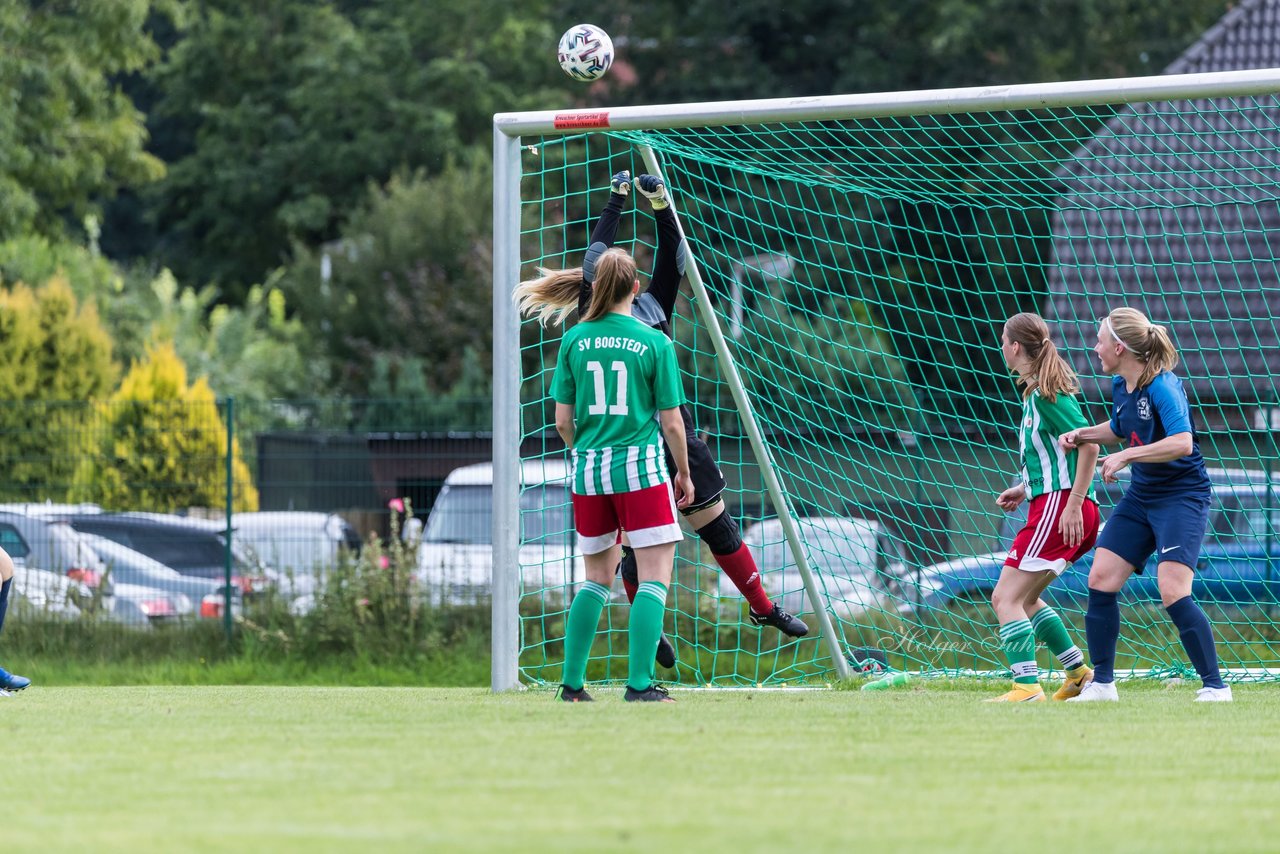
[(657, 302)]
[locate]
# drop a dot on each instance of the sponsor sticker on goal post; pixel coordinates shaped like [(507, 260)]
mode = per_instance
[(582, 121)]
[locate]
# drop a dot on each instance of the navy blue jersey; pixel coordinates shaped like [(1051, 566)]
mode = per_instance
[(1149, 414)]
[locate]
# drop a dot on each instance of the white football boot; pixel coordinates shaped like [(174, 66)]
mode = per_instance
[(1214, 695), (1097, 692)]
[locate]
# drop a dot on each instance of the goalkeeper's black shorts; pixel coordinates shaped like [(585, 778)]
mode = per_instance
[(708, 482)]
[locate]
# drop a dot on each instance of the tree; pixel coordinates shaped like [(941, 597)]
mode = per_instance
[(400, 397), (931, 265), (254, 351), (701, 50), (410, 278), (160, 444), (280, 113), (69, 137), (54, 356)]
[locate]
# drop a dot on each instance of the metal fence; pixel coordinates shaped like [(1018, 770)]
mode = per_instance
[(145, 515), (167, 513)]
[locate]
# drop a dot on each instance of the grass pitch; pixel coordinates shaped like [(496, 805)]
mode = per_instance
[(926, 768)]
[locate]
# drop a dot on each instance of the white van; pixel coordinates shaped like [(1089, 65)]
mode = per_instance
[(850, 557), (455, 561), (298, 546), (297, 542)]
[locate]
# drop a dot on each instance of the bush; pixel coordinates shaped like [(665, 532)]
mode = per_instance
[(369, 608), (161, 444)]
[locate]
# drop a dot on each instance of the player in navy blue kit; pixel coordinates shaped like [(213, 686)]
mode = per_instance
[(554, 295), (1164, 511), (9, 682)]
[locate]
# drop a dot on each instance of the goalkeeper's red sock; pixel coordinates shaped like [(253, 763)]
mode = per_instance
[(631, 587), (741, 568)]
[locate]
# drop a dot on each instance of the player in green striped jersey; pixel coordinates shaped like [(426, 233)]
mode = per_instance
[(616, 381), (1062, 520)]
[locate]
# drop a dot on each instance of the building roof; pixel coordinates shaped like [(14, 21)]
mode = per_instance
[(1174, 208)]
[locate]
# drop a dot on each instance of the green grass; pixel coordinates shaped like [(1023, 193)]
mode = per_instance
[(90, 652), (926, 768), (437, 671)]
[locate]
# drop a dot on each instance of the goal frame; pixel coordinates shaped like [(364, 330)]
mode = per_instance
[(508, 130)]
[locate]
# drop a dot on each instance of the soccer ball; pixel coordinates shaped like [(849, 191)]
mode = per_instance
[(586, 52)]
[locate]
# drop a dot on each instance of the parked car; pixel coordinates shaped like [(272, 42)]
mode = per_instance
[(1239, 559), (192, 596), (139, 605), (301, 544), (299, 547), (455, 560), (53, 545), (193, 547), (49, 508), (48, 593), (852, 559)]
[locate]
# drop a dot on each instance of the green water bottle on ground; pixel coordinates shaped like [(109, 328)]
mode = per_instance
[(888, 681)]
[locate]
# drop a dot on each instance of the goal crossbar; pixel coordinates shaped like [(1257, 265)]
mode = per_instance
[(1028, 96)]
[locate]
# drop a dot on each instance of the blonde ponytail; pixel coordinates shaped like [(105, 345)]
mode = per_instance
[(1150, 344), (615, 277), (550, 297)]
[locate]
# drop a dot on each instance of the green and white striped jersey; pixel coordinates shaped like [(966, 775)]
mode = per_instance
[(1045, 466), (617, 373)]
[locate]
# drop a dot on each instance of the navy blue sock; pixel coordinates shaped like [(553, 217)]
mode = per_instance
[(1197, 639), (1102, 630), (4, 600)]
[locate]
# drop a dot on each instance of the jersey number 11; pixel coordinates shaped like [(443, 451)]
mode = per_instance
[(601, 406)]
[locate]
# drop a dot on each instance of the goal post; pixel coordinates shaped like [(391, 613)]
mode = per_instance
[(505, 648), (859, 398)]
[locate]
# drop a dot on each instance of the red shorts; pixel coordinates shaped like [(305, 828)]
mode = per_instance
[(647, 515), (1039, 546)]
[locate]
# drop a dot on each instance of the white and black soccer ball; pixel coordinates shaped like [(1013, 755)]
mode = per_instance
[(586, 52)]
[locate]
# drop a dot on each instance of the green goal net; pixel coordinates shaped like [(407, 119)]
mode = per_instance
[(860, 269)]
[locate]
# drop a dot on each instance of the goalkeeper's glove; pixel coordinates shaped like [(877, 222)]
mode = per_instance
[(652, 188), (621, 183)]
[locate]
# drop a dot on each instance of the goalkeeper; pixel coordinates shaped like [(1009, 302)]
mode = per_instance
[(554, 295)]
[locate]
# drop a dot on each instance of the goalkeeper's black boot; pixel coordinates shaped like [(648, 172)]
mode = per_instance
[(782, 621), (569, 695), (655, 693), (666, 652)]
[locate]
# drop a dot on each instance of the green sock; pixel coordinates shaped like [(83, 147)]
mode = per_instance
[(1019, 642), (1051, 632), (580, 632), (646, 628)]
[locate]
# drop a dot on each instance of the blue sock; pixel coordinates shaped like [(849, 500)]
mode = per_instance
[(1102, 630), (4, 600), (1197, 639)]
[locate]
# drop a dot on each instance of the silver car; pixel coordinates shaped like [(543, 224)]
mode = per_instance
[(850, 559), (47, 593), (53, 546), (186, 595)]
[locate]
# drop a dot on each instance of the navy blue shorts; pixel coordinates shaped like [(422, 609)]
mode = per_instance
[(1171, 527)]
